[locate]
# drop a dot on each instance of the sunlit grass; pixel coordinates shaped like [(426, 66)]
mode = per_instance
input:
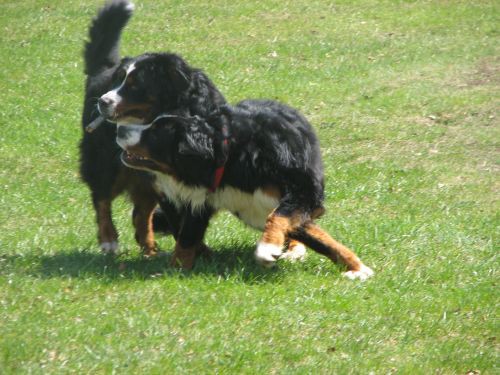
[(404, 97)]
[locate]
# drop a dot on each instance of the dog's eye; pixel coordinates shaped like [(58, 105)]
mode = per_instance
[(132, 83)]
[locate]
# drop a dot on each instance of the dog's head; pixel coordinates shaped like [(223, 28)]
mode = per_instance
[(145, 86), (170, 145)]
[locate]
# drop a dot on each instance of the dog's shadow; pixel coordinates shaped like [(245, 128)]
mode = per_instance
[(235, 263)]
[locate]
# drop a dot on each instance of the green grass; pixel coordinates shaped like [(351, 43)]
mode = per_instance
[(404, 96)]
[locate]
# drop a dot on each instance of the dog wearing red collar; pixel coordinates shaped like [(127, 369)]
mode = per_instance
[(260, 160)]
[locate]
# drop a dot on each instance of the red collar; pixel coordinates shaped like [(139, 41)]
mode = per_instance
[(219, 172)]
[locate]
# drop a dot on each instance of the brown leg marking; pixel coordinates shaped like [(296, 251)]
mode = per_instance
[(277, 227), (144, 206), (107, 234), (296, 250), (275, 230), (270, 246), (336, 251), (183, 257)]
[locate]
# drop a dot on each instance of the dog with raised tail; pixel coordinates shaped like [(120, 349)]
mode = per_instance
[(124, 90)]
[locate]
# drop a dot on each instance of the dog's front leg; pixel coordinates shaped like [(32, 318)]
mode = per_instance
[(142, 217), (190, 238), (173, 215)]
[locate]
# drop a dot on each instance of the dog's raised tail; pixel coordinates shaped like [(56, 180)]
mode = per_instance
[(102, 49), (317, 239)]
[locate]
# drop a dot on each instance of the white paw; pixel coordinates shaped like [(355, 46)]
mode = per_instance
[(109, 247), (363, 274), (298, 252), (267, 254)]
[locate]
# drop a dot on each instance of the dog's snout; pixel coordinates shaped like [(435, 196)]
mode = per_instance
[(128, 135), (107, 104), (122, 132)]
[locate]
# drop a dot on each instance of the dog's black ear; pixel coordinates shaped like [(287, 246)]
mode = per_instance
[(220, 117), (177, 72), (219, 122), (197, 140)]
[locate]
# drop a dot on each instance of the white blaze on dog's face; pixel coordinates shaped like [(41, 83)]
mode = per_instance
[(131, 102), (110, 103), (144, 87)]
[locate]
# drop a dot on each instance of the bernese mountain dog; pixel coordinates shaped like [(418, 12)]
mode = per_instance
[(134, 90), (260, 160)]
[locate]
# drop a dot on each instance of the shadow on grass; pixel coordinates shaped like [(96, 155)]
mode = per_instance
[(230, 263)]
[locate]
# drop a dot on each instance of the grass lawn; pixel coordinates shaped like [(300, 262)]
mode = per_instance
[(404, 96)]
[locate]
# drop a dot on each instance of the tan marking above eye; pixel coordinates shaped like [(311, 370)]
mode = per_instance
[(131, 81), (126, 107)]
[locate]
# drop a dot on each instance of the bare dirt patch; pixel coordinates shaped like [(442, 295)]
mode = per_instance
[(487, 72)]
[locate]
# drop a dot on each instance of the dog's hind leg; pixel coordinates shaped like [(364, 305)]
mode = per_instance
[(320, 241), (296, 250)]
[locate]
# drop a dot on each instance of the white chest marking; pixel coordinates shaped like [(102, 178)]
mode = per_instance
[(113, 95), (181, 194), (251, 208)]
